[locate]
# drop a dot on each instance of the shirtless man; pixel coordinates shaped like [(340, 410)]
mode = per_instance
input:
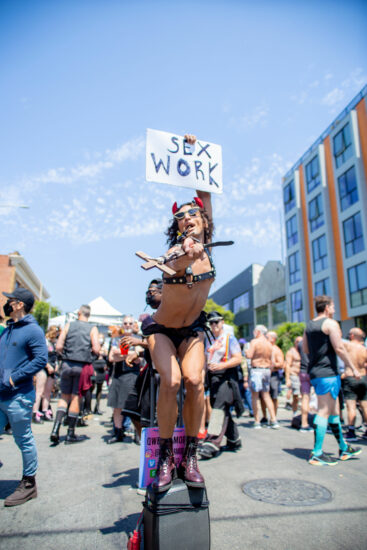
[(322, 341), (292, 370), (355, 389), (277, 364), (260, 353), (175, 333)]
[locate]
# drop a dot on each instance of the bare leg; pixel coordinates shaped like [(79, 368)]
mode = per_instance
[(263, 405), (41, 378), (137, 426), (204, 415), (270, 406), (305, 405), (327, 405), (163, 355), (255, 403), (64, 401), (47, 393), (117, 418), (74, 405), (295, 404), (192, 364), (364, 410), (275, 403), (351, 409)]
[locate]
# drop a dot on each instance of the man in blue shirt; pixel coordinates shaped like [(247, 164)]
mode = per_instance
[(23, 352)]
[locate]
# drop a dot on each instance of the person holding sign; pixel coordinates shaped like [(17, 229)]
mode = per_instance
[(175, 334)]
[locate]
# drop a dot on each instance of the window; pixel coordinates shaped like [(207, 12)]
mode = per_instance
[(357, 277), (348, 192), (227, 306), (319, 252), (313, 174), (244, 330), (323, 287), (294, 268), (262, 316), (241, 302), (279, 311), (297, 306), (353, 235), (292, 233), (342, 145), (315, 213), (289, 197)]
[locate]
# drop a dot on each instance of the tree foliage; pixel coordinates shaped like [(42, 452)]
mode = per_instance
[(43, 311), (287, 333)]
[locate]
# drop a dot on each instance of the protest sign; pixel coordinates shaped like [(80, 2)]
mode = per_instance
[(170, 159), (149, 452)]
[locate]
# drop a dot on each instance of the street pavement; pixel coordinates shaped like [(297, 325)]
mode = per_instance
[(87, 495)]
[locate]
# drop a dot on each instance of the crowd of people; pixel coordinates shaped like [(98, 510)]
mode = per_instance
[(240, 378), (177, 344)]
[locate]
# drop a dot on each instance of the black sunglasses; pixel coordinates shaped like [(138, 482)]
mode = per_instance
[(191, 212), (214, 322)]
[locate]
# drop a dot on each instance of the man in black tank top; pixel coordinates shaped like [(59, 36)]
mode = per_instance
[(322, 341), (77, 342)]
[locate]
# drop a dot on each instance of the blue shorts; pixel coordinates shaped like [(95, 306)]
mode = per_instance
[(329, 384)]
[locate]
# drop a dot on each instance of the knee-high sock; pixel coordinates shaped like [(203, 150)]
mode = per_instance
[(320, 426), (336, 428)]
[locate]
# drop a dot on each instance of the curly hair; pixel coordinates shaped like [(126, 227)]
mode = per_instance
[(173, 229)]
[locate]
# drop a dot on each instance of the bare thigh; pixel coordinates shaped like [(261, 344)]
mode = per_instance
[(163, 354), (327, 405), (192, 359)]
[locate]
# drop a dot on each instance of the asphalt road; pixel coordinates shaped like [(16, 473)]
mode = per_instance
[(87, 495)]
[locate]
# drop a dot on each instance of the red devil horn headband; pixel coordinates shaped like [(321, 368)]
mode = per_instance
[(198, 201)]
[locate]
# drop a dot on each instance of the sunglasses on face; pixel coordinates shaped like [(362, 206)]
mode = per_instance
[(214, 322), (128, 323), (192, 212)]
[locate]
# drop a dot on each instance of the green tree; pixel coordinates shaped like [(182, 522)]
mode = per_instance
[(287, 332), (42, 311), (227, 315)]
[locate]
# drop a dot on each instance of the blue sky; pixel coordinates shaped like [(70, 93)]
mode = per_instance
[(81, 81)]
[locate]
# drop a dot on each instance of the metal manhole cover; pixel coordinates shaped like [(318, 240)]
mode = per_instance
[(287, 492)]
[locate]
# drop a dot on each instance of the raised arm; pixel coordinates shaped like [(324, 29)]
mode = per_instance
[(203, 195), (207, 202)]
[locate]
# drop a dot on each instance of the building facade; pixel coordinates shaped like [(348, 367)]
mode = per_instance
[(325, 213), (14, 272), (256, 296)]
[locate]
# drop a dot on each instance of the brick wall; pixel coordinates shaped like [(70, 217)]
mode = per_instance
[(7, 278)]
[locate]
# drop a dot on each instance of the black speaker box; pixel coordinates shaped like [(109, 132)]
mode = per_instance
[(177, 519)]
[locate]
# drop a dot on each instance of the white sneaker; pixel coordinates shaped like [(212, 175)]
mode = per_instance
[(257, 426), (274, 425)]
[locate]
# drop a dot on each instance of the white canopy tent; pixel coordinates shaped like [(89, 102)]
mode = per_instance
[(102, 313)]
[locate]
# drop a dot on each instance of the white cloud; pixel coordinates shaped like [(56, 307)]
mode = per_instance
[(257, 117), (331, 98), (130, 150), (320, 91)]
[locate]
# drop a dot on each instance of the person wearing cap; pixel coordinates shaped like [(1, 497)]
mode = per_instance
[(175, 334), (23, 352), (223, 357)]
